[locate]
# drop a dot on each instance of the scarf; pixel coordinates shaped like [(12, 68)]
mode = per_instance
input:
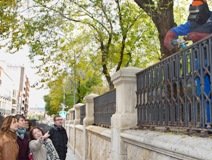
[(21, 132), (51, 151)]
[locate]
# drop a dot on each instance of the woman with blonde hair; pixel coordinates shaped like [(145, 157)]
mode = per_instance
[(41, 146), (8, 146)]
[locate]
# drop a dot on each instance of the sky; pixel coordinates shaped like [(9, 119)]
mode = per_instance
[(21, 58)]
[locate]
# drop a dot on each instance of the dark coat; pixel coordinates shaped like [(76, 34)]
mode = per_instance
[(59, 139), (23, 147)]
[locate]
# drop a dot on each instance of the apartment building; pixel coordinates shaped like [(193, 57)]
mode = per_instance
[(6, 91), (17, 88)]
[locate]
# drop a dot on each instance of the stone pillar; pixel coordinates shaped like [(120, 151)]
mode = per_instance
[(77, 113), (89, 109), (88, 120), (76, 122), (71, 117), (70, 125), (67, 122), (126, 116)]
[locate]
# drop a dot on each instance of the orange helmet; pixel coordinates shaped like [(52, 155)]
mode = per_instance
[(198, 2)]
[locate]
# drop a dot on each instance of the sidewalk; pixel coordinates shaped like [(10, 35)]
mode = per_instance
[(70, 155)]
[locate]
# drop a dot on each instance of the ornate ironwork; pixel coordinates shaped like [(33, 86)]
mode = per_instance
[(104, 108), (177, 91), (82, 114)]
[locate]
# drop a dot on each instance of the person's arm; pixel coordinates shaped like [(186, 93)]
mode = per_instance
[(48, 143), (66, 137), (35, 145), (182, 29), (173, 33)]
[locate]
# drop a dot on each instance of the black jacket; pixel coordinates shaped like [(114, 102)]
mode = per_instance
[(59, 138)]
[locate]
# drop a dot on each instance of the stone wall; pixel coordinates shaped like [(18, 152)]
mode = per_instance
[(71, 134), (121, 141), (153, 145), (99, 140), (79, 140), (141, 145)]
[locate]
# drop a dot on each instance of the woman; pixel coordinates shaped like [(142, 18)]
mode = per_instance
[(8, 146), (41, 146)]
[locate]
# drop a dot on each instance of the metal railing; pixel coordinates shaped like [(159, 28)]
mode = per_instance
[(104, 108), (82, 114), (73, 115), (177, 91)]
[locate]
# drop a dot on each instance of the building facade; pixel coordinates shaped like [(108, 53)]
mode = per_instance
[(6, 92), (15, 87)]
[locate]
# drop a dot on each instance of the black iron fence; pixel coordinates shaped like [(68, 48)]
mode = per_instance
[(104, 108), (82, 114), (73, 115), (177, 91)]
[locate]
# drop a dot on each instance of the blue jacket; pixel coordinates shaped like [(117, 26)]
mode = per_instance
[(188, 27)]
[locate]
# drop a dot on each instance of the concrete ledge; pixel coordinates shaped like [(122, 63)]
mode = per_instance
[(181, 147), (104, 132), (68, 125), (79, 127)]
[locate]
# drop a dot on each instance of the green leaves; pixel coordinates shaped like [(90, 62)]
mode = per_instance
[(91, 38)]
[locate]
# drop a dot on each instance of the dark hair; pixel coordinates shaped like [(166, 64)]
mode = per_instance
[(29, 124), (33, 122), (31, 132), (19, 116), (55, 117), (6, 123)]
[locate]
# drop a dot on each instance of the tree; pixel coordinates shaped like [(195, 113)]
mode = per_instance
[(161, 13), (7, 14), (114, 39), (104, 35), (116, 33), (55, 97), (69, 89)]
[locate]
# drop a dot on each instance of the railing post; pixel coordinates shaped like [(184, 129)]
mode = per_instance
[(88, 120), (126, 116)]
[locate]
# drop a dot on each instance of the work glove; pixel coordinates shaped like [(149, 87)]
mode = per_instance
[(170, 36)]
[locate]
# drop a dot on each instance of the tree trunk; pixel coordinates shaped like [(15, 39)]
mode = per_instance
[(163, 18)]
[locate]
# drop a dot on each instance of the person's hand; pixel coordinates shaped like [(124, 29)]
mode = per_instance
[(197, 36), (186, 38), (46, 135), (170, 36)]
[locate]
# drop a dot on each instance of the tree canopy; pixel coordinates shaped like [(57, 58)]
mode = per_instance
[(91, 38)]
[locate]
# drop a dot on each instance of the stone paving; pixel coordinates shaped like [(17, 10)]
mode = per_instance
[(70, 155)]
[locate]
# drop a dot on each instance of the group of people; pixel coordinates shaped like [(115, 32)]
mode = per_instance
[(20, 141)]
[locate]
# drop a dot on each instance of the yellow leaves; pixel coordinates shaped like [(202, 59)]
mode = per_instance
[(8, 3)]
